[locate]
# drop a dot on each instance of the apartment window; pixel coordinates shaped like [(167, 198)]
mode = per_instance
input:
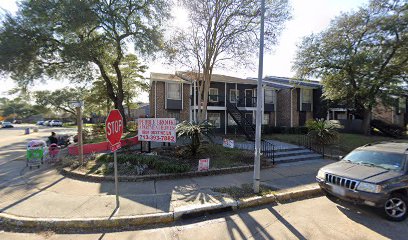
[(231, 121), (307, 95), (174, 91), (265, 120), (402, 105), (306, 100), (269, 96), (214, 119), (213, 95), (233, 95)]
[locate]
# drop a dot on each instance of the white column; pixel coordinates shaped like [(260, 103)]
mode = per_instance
[(225, 109), (291, 107), (236, 95), (195, 101), (155, 99)]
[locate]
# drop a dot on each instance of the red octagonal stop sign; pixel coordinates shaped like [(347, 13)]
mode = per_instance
[(114, 127)]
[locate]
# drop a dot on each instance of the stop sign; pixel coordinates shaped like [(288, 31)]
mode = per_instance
[(114, 127)]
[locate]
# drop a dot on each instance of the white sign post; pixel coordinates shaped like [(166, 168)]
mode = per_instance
[(157, 129)]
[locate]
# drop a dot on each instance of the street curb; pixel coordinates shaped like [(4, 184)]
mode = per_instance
[(158, 218), (85, 223), (121, 178)]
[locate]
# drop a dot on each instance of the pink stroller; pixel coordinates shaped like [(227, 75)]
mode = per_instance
[(53, 151)]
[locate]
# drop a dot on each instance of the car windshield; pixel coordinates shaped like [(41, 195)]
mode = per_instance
[(387, 160)]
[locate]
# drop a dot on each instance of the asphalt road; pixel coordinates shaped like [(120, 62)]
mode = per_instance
[(13, 140), (317, 218)]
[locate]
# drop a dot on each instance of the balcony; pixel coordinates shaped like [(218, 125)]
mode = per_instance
[(219, 101)]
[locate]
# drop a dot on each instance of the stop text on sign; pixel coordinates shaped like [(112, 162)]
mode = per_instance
[(114, 127), (157, 129)]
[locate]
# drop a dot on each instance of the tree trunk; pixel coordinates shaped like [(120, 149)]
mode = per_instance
[(366, 121), (119, 106)]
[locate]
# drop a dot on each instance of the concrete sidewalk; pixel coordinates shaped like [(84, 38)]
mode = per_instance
[(45, 195)]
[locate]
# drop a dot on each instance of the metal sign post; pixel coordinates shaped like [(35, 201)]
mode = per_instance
[(115, 165), (114, 130)]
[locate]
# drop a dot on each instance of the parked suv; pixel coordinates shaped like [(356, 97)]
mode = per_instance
[(375, 175)]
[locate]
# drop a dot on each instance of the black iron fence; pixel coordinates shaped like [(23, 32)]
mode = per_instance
[(268, 150), (307, 142)]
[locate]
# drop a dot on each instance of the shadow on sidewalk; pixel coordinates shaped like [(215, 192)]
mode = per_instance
[(31, 195)]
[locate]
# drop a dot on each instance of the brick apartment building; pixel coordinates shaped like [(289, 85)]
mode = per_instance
[(287, 102)]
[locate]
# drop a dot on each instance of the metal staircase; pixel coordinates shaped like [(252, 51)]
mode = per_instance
[(243, 124)]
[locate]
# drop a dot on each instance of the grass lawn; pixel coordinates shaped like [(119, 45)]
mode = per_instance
[(221, 157), (346, 143)]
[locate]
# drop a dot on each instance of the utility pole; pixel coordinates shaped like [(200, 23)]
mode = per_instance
[(259, 102), (78, 105)]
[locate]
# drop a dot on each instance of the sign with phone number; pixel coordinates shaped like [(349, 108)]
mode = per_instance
[(157, 129)]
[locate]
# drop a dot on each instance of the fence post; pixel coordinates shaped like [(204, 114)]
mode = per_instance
[(273, 154)]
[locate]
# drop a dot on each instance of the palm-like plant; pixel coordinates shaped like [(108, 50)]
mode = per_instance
[(194, 132), (323, 132)]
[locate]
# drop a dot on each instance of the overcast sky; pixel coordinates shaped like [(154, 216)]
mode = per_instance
[(309, 16)]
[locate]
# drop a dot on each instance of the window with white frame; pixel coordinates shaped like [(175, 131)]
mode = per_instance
[(269, 96), (231, 121), (213, 95), (233, 95), (306, 100), (307, 95), (214, 119), (174, 91), (265, 120)]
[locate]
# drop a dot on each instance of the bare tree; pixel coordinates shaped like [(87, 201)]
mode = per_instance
[(223, 32)]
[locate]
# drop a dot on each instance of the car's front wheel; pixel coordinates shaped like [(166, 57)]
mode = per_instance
[(395, 207)]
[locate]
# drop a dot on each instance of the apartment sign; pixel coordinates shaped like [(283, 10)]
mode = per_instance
[(157, 129)]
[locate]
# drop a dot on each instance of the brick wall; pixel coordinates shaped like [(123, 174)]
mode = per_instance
[(282, 108), (161, 98), (309, 116), (383, 113), (185, 114), (295, 108)]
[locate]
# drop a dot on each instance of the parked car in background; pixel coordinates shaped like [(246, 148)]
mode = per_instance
[(46, 123), (55, 123), (375, 175), (6, 125), (40, 123), (17, 121)]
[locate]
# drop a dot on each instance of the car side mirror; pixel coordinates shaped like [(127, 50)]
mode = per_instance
[(341, 157)]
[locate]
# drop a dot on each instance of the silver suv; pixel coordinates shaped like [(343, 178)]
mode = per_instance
[(375, 175)]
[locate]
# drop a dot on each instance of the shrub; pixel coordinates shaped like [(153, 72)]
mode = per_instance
[(194, 132), (161, 164), (322, 132), (390, 130)]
